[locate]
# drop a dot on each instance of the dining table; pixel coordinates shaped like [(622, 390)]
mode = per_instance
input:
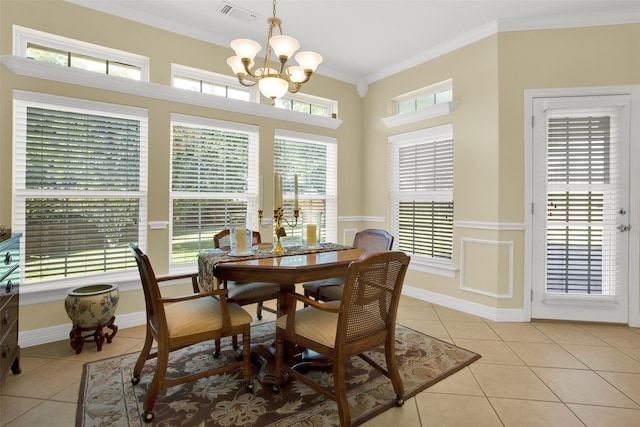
[(297, 265)]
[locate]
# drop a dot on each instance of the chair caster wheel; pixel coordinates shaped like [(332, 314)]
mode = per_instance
[(399, 401), (260, 317), (216, 354), (135, 380), (276, 388), (148, 416), (248, 386)]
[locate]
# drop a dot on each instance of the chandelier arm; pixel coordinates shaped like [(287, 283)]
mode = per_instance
[(243, 82)]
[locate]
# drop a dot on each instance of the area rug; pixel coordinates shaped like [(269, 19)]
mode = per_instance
[(107, 397)]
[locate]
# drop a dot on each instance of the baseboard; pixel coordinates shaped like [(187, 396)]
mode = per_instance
[(486, 312), (61, 332)]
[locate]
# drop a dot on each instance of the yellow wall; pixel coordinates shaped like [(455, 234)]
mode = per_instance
[(163, 48), (489, 80)]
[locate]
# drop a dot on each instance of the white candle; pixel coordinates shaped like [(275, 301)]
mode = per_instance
[(311, 235), (241, 240), (295, 191), (260, 201), (279, 190), (275, 190)]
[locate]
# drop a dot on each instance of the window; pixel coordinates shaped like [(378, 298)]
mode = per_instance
[(422, 192), (214, 181), (313, 158), (308, 104), (67, 52), (80, 182), (424, 98), (211, 83)]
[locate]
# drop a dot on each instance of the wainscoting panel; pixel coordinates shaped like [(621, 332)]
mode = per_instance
[(496, 280)]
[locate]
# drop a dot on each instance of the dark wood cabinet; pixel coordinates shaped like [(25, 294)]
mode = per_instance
[(9, 305)]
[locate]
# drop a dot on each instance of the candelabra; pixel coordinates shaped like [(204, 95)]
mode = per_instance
[(278, 219)]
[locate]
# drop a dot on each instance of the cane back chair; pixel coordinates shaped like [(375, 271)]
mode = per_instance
[(363, 319), (178, 322)]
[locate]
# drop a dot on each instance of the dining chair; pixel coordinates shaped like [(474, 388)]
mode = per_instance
[(244, 293), (178, 322), (362, 320), (371, 241)]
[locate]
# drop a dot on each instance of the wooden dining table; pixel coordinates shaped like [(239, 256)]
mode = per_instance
[(297, 265)]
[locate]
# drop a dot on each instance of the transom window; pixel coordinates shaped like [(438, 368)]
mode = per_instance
[(308, 104), (67, 52), (422, 192), (202, 81), (424, 98)]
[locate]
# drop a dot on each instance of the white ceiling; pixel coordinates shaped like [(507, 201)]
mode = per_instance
[(365, 40)]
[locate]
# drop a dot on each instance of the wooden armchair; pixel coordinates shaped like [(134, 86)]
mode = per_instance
[(364, 319), (244, 293), (178, 322), (371, 241)]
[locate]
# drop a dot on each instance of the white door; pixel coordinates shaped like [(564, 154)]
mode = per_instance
[(580, 211)]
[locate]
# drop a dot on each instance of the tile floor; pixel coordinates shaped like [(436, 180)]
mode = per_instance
[(530, 374)]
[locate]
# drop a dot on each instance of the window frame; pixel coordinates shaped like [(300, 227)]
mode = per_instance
[(23, 100), (330, 198), (23, 36), (439, 266), (251, 195)]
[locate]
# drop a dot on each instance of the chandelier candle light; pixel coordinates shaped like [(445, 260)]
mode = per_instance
[(273, 83), (278, 213)]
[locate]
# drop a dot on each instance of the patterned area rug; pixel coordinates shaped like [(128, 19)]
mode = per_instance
[(107, 397)]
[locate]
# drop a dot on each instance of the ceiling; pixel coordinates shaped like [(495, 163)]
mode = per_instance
[(365, 40)]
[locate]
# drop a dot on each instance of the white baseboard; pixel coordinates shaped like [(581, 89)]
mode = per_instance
[(61, 332), (486, 312)]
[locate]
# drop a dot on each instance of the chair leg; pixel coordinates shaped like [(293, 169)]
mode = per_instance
[(156, 384), (339, 372), (259, 310), (144, 355), (216, 352), (392, 368)]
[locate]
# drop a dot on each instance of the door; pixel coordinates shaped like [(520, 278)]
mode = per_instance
[(580, 211)]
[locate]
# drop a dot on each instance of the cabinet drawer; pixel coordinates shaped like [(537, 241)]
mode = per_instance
[(8, 316), (8, 350), (9, 287)]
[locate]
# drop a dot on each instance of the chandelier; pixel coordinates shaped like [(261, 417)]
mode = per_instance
[(273, 82)]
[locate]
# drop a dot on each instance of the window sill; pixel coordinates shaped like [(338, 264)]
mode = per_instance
[(31, 68), (427, 265), (56, 290), (422, 114)]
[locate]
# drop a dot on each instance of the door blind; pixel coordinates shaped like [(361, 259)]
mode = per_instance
[(581, 203)]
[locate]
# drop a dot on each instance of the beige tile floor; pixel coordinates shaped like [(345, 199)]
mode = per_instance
[(530, 374)]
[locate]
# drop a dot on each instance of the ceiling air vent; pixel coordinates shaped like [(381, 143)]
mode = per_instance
[(236, 12)]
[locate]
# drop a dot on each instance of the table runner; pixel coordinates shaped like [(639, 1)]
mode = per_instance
[(208, 260)]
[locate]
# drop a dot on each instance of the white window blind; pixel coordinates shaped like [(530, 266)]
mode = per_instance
[(314, 159), (214, 169), (422, 192), (80, 181), (582, 197)]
